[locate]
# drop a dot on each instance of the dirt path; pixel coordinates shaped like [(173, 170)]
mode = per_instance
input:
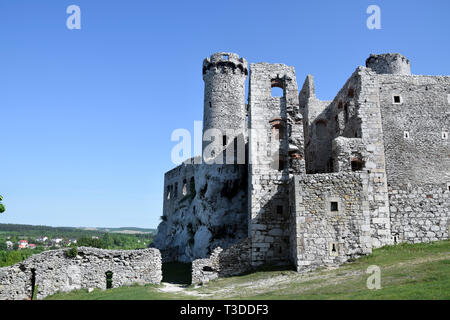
[(329, 276)]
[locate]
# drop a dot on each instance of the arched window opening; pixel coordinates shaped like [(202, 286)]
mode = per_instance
[(109, 277), (169, 189), (184, 190), (351, 92), (277, 88)]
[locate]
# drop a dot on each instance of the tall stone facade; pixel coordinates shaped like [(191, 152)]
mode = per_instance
[(323, 181)]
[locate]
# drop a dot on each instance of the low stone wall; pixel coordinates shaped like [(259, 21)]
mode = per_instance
[(54, 271), (223, 263)]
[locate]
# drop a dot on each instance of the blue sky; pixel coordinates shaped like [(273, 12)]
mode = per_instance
[(86, 115)]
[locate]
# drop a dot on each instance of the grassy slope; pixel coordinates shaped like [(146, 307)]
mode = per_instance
[(419, 271)]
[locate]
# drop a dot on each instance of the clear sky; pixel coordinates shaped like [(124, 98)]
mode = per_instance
[(86, 115)]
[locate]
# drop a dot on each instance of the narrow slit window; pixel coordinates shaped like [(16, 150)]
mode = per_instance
[(406, 134), (444, 135)]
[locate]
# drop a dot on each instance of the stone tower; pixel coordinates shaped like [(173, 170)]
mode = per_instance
[(224, 74), (389, 63)]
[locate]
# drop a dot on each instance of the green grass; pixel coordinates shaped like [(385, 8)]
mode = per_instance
[(148, 292), (408, 271)]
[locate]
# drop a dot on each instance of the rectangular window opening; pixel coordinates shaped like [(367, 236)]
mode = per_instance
[(334, 206), (279, 209)]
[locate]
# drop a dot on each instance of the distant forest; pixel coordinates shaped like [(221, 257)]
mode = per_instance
[(66, 232), (105, 238)]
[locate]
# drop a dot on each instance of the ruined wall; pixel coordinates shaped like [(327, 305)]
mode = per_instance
[(330, 219), (233, 261), (276, 146), (416, 118), (53, 271), (351, 127), (211, 212), (327, 120)]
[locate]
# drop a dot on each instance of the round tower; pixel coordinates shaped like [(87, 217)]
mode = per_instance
[(389, 63), (224, 74)]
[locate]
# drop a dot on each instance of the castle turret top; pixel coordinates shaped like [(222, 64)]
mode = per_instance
[(389, 63), (225, 59)]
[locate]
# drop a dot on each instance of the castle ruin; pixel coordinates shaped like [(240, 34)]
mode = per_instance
[(367, 169)]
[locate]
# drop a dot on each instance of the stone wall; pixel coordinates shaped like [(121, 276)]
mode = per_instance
[(417, 148), (233, 261), (208, 209), (350, 127), (54, 271), (330, 219), (419, 213), (276, 146)]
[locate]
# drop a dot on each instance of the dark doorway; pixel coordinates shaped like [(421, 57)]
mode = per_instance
[(109, 276), (177, 272)]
